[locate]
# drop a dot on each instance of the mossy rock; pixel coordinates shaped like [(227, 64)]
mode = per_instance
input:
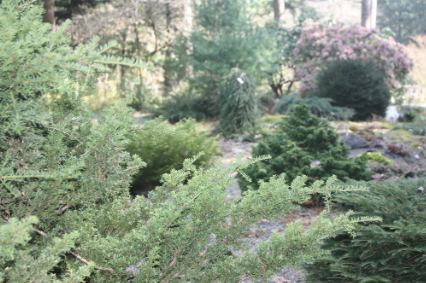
[(378, 157), (405, 137), (401, 136)]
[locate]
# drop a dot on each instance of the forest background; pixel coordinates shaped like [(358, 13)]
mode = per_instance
[(191, 45)]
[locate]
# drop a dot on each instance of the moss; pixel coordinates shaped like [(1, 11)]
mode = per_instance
[(415, 145), (378, 157), (272, 118), (403, 133), (386, 125), (402, 136), (354, 128)]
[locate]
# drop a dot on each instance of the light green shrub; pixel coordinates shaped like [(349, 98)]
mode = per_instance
[(162, 153), (378, 157)]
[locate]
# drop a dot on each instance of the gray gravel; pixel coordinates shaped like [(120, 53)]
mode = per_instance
[(262, 232)]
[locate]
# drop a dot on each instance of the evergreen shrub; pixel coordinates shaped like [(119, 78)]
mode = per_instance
[(162, 153), (238, 104), (389, 251), (355, 84), (319, 106), (321, 44), (304, 144), (66, 213), (184, 104)]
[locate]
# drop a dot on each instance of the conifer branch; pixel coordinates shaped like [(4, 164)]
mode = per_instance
[(87, 262)]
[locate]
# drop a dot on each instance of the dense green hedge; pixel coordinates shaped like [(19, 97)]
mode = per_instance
[(355, 84), (391, 251)]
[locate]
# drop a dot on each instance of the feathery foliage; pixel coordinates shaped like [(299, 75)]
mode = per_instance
[(162, 153), (390, 251), (304, 144), (319, 106), (74, 175), (238, 104)]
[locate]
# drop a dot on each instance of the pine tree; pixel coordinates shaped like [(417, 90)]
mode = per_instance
[(406, 18)]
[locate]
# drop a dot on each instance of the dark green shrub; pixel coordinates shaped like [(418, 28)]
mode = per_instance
[(319, 106), (390, 251), (238, 104), (354, 84), (162, 153), (183, 104), (296, 147)]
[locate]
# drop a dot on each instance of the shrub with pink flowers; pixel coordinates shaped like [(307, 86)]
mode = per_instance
[(321, 44)]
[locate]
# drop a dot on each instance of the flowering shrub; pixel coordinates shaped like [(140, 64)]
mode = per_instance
[(321, 44)]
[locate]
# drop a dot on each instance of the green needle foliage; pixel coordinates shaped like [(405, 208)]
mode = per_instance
[(304, 145), (320, 106), (238, 104), (391, 251), (162, 153), (354, 84), (66, 214)]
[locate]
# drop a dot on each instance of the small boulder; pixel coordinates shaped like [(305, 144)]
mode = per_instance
[(354, 141)]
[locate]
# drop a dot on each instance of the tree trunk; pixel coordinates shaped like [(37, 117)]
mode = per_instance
[(167, 68), (369, 13), (373, 13), (188, 15), (49, 15), (279, 8)]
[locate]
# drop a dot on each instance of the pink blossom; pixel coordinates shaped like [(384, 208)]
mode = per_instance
[(326, 44)]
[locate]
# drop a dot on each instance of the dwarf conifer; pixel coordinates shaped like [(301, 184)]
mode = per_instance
[(304, 144)]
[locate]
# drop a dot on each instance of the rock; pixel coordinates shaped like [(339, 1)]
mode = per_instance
[(376, 144), (354, 141)]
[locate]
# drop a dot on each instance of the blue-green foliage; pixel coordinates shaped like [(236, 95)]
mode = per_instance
[(319, 106)]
